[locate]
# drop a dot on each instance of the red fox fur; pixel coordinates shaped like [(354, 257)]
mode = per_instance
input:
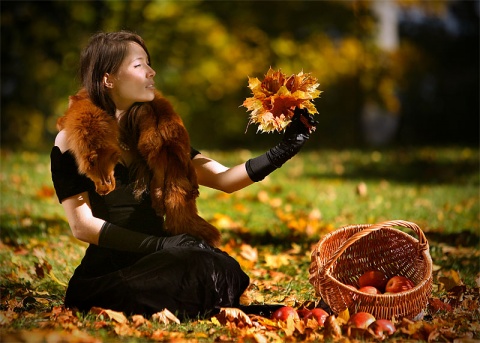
[(93, 137)]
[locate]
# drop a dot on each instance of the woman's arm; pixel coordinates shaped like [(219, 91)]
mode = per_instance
[(83, 224), (213, 174)]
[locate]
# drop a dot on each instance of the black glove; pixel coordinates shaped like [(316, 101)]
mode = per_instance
[(295, 136), (117, 238)]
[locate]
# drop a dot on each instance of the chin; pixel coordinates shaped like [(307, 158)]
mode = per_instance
[(149, 96)]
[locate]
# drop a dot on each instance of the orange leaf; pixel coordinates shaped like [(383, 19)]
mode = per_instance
[(45, 192), (233, 315)]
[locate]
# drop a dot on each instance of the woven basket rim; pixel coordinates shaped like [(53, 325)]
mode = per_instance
[(322, 265)]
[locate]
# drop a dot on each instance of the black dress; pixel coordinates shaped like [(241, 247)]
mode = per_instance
[(188, 281)]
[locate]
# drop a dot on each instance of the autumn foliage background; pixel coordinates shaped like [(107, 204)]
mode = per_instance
[(424, 90), (397, 139)]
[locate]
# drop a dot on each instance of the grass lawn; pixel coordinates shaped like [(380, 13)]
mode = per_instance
[(270, 228)]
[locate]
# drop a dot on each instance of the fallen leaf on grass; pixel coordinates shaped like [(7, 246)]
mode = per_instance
[(230, 315), (139, 320), (123, 329), (6, 317), (449, 279), (435, 305), (332, 328), (45, 192), (165, 317), (54, 278), (119, 317), (249, 253), (276, 261)]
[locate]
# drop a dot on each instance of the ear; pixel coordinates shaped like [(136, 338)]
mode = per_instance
[(107, 80), (92, 159)]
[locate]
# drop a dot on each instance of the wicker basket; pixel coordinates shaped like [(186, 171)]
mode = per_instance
[(342, 256)]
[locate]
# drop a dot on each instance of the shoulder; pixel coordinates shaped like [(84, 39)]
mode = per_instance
[(61, 141)]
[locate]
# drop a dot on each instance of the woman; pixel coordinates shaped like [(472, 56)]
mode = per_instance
[(131, 264)]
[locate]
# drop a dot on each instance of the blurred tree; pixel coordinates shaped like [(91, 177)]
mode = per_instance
[(204, 51)]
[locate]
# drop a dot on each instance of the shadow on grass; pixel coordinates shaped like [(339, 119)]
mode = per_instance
[(405, 167), (18, 230)]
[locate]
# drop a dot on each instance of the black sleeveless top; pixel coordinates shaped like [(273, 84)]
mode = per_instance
[(118, 207)]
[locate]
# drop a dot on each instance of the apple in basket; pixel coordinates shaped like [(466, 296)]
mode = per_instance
[(369, 290), (399, 284), (374, 278)]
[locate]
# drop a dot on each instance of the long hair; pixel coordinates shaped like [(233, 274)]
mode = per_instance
[(105, 53)]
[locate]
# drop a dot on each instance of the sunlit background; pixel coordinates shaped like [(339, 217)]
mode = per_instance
[(392, 72)]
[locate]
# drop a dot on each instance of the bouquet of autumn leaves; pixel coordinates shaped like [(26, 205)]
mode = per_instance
[(275, 99)]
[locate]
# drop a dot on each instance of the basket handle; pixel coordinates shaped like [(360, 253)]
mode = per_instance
[(422, 240)]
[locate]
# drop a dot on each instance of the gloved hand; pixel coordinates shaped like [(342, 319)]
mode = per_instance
[(117, 238), (296, 135), (178, 241)]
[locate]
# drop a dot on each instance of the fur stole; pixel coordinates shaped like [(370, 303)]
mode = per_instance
[(161, 139)]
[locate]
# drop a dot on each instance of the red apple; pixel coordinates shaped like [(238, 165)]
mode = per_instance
[(360, 320), (374, 278), (369, 290), (399, 284), (285, 312), (382, 328), (318, 314)]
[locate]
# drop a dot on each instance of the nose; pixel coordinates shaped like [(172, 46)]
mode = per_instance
[(151, 72)]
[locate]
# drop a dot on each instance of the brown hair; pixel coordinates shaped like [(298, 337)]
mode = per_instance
[(104, 54)]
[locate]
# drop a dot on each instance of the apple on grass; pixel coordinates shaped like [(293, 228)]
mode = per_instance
[(285, 312), (399, 284), (360, 320), (318, 314), (358, 323), (382, 328), (374, 278)]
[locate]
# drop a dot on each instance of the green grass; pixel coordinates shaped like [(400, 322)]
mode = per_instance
[(283, 217)]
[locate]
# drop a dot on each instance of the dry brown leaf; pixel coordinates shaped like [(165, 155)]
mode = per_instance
[(123, 329), (139, 320), (332, 327), (288, 326), (6, 317), (233, 315), (119, 317), (249, 253), (165, 317)]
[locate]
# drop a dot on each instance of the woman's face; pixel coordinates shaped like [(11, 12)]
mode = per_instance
[(133, 82)]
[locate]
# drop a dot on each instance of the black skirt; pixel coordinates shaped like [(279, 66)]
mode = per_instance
[(189, 282)]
